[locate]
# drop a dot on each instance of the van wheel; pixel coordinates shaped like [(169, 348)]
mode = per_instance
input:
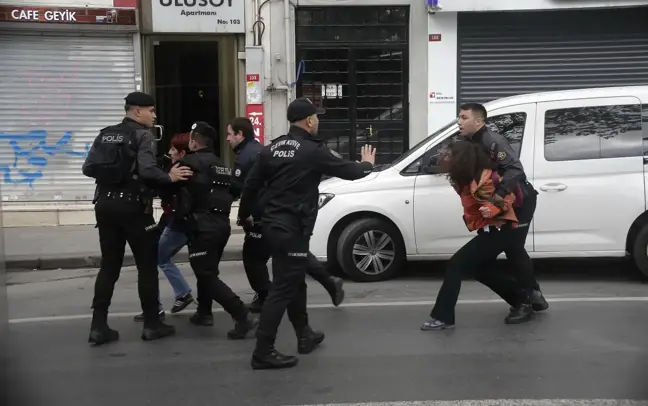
[(640, 251), (371, 250)]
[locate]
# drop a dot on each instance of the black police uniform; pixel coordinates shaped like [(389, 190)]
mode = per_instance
[(203, 203), (122, 160), (291, 169), (256, 252), (510, 168)]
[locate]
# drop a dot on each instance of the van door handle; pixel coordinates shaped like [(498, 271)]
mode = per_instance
[(553, 187)]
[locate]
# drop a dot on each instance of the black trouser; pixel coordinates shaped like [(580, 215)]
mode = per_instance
[(290, 261), (120, 222), (515, 251), (256, 253), (478, 257), (205, 251)]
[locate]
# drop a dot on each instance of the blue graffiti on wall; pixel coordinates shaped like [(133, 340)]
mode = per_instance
[(15, 173)]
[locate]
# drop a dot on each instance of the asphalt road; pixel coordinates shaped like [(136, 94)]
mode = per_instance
[(589, 346)]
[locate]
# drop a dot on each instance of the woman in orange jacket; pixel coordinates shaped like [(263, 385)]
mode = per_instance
[(469, 170)]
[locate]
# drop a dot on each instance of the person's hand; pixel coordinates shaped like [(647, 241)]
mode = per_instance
[(178, 173), (485, 212), (368, 154)]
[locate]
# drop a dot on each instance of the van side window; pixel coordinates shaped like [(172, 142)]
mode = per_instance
[(509, 126), (434, 153), (593, 132)]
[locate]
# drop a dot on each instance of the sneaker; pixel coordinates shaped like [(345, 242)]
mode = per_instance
[(434, 324), (538, 301), (182, 302), (140, 317), (519, 315)]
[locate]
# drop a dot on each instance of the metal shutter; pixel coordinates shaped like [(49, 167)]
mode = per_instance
[(511, 53), (56, 92)]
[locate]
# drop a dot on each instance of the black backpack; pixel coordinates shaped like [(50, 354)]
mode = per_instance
[(112, 160)]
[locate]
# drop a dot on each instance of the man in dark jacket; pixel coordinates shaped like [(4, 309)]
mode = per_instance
[(203, 204), (256, 253), (472, 125), (289, 171)]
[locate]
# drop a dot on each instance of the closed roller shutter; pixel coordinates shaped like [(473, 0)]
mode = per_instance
[(506, 54), (56, 93)]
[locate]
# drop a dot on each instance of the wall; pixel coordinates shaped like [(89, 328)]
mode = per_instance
[(442, 70), (497, 5), (274, 45)]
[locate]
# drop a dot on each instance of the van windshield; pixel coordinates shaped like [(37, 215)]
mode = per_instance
[(422, 142)]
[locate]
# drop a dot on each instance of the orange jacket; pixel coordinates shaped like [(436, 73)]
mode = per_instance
[(481, 195)]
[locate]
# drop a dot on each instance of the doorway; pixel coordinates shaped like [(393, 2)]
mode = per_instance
[(186, 88), (354, 62)]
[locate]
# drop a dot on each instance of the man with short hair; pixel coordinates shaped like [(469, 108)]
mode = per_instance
[(289, 172), (123, 162), (202, 205), (256, 253), (472, 126)]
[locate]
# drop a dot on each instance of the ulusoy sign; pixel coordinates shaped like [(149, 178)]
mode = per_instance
[(198, 16)]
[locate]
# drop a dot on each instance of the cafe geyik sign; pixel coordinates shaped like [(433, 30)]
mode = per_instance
[(198, 16)]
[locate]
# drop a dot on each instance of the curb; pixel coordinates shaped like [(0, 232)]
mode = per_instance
[(94, 261)]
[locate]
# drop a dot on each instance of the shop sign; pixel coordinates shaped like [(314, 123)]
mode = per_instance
[(198, 16), (255, 113), (67, 15), (441, 98)]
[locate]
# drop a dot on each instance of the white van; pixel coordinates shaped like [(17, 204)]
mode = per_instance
[(583, 150)]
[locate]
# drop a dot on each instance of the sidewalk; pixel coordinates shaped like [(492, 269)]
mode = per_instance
[(40, 248)]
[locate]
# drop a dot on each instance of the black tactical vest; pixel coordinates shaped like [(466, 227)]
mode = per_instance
[(112, 160)]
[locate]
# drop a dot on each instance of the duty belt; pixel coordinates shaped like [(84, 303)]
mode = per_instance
[(127, 196)]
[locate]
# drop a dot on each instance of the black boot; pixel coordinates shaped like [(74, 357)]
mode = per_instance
[(308, 340), (538, 301), (155, 330), (256, 305), (242, 327), (265, 356), (336, 291), (100, 333), (202, 319), (521, 314)]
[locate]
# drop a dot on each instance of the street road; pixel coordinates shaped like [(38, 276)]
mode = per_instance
[(589, 346)]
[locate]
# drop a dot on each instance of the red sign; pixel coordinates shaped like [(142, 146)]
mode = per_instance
[(434, 37), (255, 113), (68, 15), (252, 77)]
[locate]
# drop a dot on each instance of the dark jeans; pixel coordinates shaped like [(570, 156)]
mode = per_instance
[(477, 257), (205, 252), (120, 222), (257, 252), (290, 261)]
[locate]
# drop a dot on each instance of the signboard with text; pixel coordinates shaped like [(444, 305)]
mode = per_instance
[(255, 113), (67, 15), (198, 16)]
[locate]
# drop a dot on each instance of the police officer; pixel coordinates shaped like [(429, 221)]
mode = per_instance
[(472, 125), (290, 169), (203, 204), (122, 160), (240, 135)]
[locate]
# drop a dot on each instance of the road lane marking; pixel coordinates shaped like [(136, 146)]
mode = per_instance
[(351, 305), (502, 402)]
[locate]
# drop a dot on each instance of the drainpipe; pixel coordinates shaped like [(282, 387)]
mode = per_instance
[(289, 56)]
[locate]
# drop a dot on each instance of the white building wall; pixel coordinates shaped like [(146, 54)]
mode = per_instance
[(510, 5), (442, 55), (276, 58)]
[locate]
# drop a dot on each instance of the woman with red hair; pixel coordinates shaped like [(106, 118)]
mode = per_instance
[(173, 237)]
